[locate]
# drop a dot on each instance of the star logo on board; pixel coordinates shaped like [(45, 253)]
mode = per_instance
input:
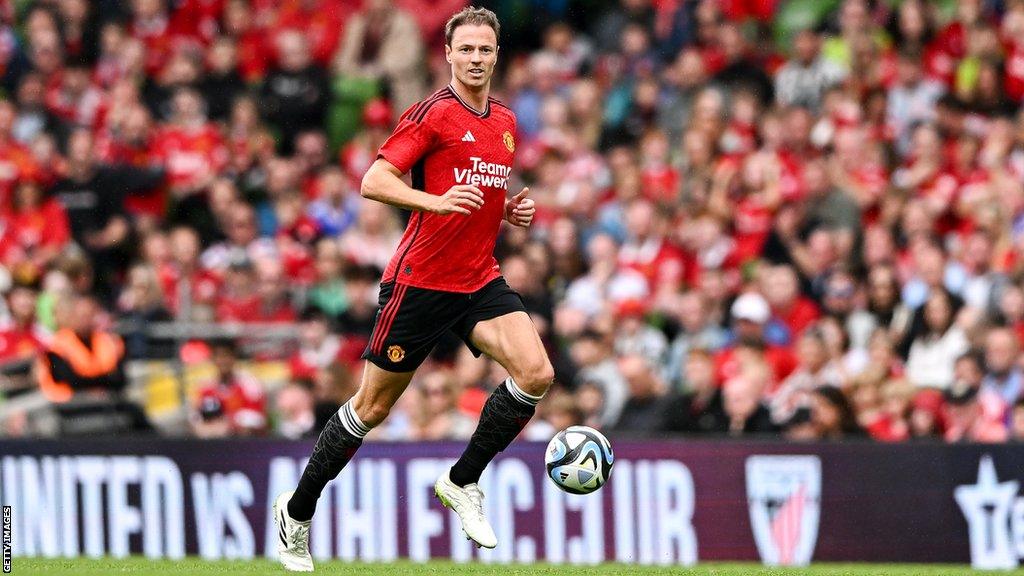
[(987, 505)]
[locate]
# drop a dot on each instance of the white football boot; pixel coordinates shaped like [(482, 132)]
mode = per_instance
[(292, 537), (468, 503)]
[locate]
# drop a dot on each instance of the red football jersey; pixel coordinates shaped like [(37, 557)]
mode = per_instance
[(190, 154), (444, 142)]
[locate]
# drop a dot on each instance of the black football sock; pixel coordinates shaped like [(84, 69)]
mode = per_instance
[(505, 414), (334, 448)]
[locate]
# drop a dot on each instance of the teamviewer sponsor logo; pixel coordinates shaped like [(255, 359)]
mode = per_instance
[(784, 497), (7, 539), (482, 173)]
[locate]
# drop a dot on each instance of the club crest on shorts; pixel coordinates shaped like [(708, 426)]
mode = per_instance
[(784, 498), (395, 353), (510, 142)]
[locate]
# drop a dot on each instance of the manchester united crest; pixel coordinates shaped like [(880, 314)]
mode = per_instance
[(510, 142), (395, 353)]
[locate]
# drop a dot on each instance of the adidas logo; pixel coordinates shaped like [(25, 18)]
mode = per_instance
[(468, 137)]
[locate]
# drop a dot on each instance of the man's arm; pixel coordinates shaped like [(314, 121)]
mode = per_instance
[(383, 183)]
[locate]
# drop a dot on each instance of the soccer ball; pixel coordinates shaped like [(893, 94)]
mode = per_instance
[(579, 459)]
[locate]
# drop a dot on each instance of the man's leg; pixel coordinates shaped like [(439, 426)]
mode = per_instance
[(512, 340), (344, 433)]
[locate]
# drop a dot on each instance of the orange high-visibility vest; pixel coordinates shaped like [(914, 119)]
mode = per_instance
[(106, 352)]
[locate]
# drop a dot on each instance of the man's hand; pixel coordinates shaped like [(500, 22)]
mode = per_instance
[(459, 199), (519, 209)]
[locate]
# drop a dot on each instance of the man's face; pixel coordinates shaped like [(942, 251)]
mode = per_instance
[(805, 48), (473, 53), (23, 304), (224, 360), (314, 332), (83, 316), (1000, 351), (968, 371), (80, 149)]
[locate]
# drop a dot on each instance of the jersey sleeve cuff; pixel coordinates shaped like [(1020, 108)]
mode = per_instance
[(396, 163)]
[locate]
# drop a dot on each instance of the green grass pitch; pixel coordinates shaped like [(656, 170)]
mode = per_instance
[(190, 566)]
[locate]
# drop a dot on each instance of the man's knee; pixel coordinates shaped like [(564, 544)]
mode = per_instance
[(371, 411), (536, 378), (377, 393)]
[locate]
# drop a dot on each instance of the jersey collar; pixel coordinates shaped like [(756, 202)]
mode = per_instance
[(477, 113)]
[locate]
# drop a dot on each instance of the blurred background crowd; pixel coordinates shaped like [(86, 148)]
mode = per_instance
[(755, 217)]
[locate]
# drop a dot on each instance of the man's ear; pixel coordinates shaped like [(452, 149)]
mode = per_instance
[(448, 53)]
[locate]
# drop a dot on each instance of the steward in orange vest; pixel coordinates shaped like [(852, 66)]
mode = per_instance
[(80, 357)]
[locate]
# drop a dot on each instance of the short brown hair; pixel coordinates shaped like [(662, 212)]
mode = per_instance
[(474, 16)]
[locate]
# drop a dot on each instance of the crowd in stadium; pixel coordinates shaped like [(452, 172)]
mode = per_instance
[(810, 234)]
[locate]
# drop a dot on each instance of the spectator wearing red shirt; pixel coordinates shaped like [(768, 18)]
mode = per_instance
[(240, 395), (249, 141), (36, 229), (1013, 79), (296, 235), (189, 289), (356, 156), (882, 407), (130, 142), (74, 99), (781, 288), (16, 161), (708, 247), (197, 18), (966, 417), (272, 303), (237, 295), (648, 251), (311, 156), (254, 55), (151, 25), (659, 178), (748, 195), (953, 38), (321, 22), (191, 148), (22, 338), (750, 314), (319, 348)]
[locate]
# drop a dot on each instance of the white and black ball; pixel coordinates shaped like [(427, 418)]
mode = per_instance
[(579, 459)]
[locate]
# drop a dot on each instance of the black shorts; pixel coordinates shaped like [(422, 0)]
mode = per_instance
[(411, 320)]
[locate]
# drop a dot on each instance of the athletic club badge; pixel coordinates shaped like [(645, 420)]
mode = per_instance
[(784, 497)]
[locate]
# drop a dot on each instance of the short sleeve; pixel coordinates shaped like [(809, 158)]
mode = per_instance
[(409, 142)]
